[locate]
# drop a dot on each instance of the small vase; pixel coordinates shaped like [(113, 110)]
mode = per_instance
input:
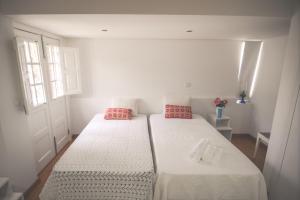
[(243, 100), (219, 112)]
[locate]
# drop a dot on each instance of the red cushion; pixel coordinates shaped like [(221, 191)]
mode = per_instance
[(182, 112), (118, 114)]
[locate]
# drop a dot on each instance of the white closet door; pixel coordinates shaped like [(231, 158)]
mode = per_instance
[(33, 77), (57, 102), (289, 177), (70, 57)]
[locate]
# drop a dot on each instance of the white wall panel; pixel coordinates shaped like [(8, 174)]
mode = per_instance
[(150, 69), (283, 116)]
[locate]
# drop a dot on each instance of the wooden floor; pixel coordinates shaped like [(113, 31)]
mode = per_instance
[(244, 142)]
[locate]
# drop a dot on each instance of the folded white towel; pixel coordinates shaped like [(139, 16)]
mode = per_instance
[(205, 151), (199, 149), (212, 153)]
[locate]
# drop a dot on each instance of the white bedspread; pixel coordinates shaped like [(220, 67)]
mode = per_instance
[(233, 177), (110, 159)]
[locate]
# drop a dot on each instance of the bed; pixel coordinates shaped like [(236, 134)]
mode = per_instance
[(232, 177), (110, 159)]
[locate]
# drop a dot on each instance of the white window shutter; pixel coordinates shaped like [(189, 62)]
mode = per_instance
[(71, 65), (28, 49), (19, 48)]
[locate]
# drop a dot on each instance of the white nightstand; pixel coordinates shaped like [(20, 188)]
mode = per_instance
[(222, 125)]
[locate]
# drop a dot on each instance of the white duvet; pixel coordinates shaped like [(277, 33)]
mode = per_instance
[(110, 159), (233, 177)]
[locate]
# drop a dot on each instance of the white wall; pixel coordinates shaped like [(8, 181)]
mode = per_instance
[(267, 84), (150, 69), (16, 157), (140, 67), (284, 112)]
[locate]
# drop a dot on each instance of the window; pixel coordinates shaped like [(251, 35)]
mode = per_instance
[(249, 65), (55, 71), (32, 75), (61, 69), (257, 65)]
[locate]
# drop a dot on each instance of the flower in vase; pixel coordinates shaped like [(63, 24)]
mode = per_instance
[(219, 102)]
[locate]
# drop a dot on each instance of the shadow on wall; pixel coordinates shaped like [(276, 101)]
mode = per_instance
[(240, 113), (20, 164), (83, 110)]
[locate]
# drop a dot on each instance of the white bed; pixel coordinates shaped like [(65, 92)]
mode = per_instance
[(233, 177), (110, 159)]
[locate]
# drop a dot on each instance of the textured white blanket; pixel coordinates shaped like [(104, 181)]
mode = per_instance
[(111, 159), (233, 177)]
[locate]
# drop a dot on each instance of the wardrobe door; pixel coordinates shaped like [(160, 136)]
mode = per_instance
[(289, 178)]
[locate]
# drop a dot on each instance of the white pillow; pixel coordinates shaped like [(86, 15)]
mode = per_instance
[(128, 103), (179, 101)]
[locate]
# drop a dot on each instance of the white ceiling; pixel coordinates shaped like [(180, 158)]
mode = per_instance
[(158, 26), (270, 8)]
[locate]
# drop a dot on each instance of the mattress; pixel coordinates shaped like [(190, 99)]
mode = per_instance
[(110, 159), (232, 177)]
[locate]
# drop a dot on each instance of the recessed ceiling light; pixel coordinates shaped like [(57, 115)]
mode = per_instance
[(189, 31), (104, 30)]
